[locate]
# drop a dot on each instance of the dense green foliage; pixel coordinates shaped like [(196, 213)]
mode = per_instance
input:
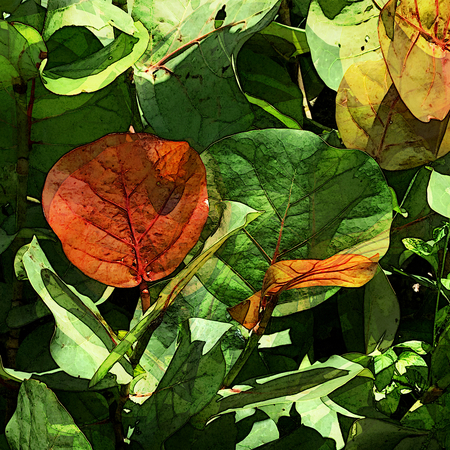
[(253, 87)]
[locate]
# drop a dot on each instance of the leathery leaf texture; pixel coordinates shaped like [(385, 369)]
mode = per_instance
[(127, 207), (324, 200)]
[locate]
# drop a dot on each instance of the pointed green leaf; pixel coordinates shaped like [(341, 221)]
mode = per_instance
[(188, 67), (82, 338)]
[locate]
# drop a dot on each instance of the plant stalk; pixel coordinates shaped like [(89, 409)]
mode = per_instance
[(135, 357), (124, 393), (440, 287), (145, 296), (23, 119)]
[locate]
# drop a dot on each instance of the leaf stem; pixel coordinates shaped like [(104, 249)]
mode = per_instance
[(160, 64), (135, 357), (24, 110), (440, 287), (263, 252), (124, 393), (145, 296)]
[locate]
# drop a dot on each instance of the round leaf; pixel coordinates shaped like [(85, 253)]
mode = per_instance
[(413, 38), (127, 207), (371, 116)]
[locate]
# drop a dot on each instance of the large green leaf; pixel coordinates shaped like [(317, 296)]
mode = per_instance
[(188, 67), (190, 382), (235, 217), (349, 36), (335, 200), (40, 421), (82, 339)]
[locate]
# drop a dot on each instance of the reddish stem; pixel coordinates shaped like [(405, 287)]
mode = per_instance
[(145, 296)]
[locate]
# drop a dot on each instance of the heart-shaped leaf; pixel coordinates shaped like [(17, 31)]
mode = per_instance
[(339, 270), (415, 44), (127, 207)]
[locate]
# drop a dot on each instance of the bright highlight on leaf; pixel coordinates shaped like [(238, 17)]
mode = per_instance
[(338, 270), (371, 116), (127, 207), (415, 44)]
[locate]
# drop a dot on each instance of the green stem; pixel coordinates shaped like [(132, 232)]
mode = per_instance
[(124, 393), (23, 120), (135, 357), (440, 287)]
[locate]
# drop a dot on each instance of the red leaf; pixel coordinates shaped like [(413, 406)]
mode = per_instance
[(338, 270), (127, 207)]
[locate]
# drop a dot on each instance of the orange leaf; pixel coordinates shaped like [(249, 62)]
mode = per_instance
[(339, 270), (247, 312), (127, 207)]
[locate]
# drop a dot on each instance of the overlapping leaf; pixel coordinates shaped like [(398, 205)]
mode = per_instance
[(262, 78), (128, 207), (99, 69), (306, 390), (335, 201), (82, 338), (372, 116), (338, 270), (188, 67), (235, 217), (370, 316), (415, 43), (337, 42), (190, 382), (21, 52)]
